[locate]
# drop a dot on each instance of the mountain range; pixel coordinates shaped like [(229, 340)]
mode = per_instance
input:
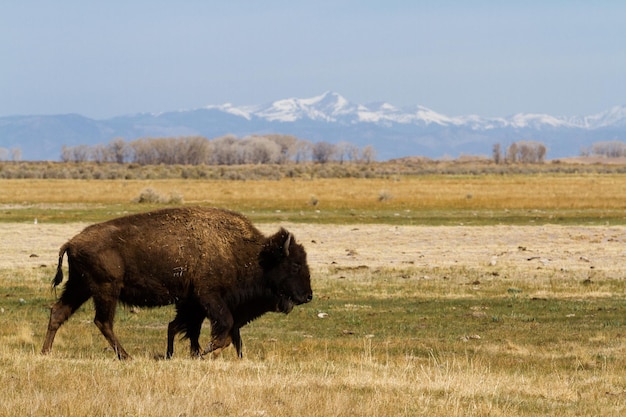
[(392, 131)]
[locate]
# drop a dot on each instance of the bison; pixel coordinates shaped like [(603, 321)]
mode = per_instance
[(211, 263)]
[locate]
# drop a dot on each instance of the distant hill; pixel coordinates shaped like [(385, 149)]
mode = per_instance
[(393, 131)]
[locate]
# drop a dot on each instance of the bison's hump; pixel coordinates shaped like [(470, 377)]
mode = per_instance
[(177, 220), (180, 232)]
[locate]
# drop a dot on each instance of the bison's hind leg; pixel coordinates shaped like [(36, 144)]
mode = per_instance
[(105, 314), (74, 295)]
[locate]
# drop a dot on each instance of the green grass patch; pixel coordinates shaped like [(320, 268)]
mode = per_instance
[(386, 340), (427, 217)]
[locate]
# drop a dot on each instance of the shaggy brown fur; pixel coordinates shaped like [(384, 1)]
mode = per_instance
[(209, 262)]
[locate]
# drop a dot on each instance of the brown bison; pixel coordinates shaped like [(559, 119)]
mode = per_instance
[(210, 263)]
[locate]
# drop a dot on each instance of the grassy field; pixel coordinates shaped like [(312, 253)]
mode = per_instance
[(397, 340), (429, 199), (502, 315)]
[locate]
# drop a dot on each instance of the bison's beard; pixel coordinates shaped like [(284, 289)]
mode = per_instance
[(285, 305)]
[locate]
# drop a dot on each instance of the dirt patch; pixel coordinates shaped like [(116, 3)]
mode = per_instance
[(554, 247), (375, 246)]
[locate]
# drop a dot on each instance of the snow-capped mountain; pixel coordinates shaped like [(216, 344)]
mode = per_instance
[(327, 107), (331, 107), (393, 131), (613, 117)]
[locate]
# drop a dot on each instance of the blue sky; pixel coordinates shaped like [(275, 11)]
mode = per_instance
[(490, 58)]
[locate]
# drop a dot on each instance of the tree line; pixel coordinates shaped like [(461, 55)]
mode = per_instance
[(525, 152), (535, 152), (224, 150), (608, 149), (13, 154)]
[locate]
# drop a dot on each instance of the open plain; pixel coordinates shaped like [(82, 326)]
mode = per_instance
[(480, 317)]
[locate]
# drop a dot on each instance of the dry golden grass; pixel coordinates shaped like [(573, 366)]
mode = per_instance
[(281, 386), (602, 191), (430, 199), (439, 321)]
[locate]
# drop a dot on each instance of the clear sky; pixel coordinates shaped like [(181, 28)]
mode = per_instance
[(490, 58)]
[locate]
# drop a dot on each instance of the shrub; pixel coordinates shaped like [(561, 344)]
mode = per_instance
[(384, 195), (151, 196)]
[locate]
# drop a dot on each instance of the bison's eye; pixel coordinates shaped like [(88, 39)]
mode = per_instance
[(296, 267)]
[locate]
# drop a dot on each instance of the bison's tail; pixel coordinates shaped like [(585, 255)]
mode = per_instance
[(59, 275)]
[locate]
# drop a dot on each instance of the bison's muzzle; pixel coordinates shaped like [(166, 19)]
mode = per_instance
[(286, 304)]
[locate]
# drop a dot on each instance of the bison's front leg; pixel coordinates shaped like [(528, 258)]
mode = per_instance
[(194, 327), (173, 328), (216, 345), (236, 338), (189, 318)]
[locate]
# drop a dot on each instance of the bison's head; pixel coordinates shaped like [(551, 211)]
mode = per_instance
[(286, 270)]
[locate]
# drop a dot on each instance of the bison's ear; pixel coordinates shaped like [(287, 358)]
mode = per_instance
[(276, 248)]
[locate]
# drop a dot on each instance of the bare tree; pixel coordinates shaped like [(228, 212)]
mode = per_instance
[(340, 151), (260, 150), (541, 152), (118, 151), (66, 154), (497, 153), (223, 150), (198, 150), (16, 154), (368, 154), (99, 154), (303, 151), (288, 146), (524, 152), (143, 152), (351, 152), (323, 152), (609, 149), (527, 152), (78, 153), (166, 151), (511, 153)]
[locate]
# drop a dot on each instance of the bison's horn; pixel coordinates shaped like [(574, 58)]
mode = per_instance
[(287, 244)]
